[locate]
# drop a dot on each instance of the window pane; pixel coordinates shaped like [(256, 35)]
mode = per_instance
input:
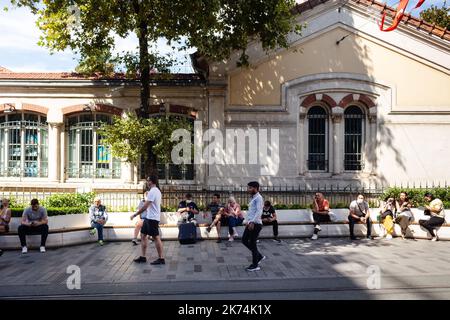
[(14, 151), (353, 138), (31, 153), (317, 139)]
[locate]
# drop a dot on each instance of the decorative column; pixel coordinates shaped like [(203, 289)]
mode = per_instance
[(301, 142), (338, 146), (54, 151)]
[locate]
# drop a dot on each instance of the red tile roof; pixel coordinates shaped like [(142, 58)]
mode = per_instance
[(420, 24), (2, 70), (173, 77)]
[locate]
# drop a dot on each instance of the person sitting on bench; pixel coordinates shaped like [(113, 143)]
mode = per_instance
[(218, 215), (437, 215), (34, 221), (269, 218), (359, 211), (321, 210), (187, 209)]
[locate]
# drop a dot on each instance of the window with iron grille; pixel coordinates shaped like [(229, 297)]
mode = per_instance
[(317, 139), (353, 138), (89, 157), (23, 145)]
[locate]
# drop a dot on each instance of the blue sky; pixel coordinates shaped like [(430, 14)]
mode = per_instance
[(19, 35)]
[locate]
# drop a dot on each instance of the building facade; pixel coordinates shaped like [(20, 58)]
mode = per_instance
[(352, 105)]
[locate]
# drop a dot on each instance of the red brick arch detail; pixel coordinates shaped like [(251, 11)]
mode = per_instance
[(105, 108), (309, 100), (5, 106), (364, 99), (34, 108)]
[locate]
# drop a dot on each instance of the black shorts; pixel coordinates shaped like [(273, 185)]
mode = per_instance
[(150, 228), (223, 219)]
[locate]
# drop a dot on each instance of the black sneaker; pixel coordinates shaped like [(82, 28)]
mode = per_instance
[(158, 261), (219, 240), (261, 259), (140, 260), (353, 238), (252, 268), (277, 239), (135, 242), (208, 229)]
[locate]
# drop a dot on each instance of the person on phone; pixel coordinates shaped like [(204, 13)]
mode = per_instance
[(98, 218), (187, 209), (404, 215), (5, 216), (254, 225), (387, 214), (359, 212), (320, 210), (34, 221), (435, 209), (140, 221), (269, 218), (235, 218), (218, 216)]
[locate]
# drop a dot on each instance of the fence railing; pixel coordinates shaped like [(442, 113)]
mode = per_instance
[(128, 199)]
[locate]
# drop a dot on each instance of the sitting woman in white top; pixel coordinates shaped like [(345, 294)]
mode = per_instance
[(404, 215), (437, 215), (140, 222)]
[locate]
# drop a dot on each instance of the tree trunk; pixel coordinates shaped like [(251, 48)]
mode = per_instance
[(144, 68)]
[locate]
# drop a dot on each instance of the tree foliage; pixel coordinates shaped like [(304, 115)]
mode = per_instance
[(129, 136), (438, 16)]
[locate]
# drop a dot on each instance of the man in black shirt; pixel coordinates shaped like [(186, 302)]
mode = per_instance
[(187, 208), (269, 217), (218, 215)]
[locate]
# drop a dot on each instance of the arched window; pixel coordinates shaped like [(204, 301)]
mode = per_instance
[(317, 139), (88, 156), (353, 137), (23, 145)]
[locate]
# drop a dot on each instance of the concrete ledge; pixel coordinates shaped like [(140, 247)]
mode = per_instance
[(74, 229)]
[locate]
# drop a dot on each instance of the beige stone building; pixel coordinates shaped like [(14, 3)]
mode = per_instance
[(352, 105)]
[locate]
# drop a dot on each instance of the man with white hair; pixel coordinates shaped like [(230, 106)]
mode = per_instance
[(98, 217)]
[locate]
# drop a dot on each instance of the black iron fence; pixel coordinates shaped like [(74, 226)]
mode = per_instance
[(282, 196)]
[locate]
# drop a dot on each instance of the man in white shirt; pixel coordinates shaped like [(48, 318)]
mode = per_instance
[(254, 225), (150, 227)]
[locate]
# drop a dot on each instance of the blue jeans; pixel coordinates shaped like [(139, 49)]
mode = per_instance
[(233, 222), (99, 228)]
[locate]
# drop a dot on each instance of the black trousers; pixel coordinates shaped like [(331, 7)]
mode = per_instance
[(274, 225), (318, 218), (352, 221), (431, 224), (26, 230), (249, 240)]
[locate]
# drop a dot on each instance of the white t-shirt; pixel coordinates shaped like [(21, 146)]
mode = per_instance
[(154, 209)]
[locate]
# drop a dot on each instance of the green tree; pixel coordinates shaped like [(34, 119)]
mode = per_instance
[(215, 27), (129, 136), (438, 16)]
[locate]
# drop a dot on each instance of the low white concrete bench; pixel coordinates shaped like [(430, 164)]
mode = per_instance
[(74, 229)]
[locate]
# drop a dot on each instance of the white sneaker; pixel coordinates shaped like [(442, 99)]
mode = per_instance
[(314, 237), (235, 235), (388, 237), (231, 239), (24, 250), (434, 239), (318, 228), (42, 249)]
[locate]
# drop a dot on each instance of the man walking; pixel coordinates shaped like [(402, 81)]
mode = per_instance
[(150, 227), (254, 225)]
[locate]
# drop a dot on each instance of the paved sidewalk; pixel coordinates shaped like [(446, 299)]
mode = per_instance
[(296, 268)]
